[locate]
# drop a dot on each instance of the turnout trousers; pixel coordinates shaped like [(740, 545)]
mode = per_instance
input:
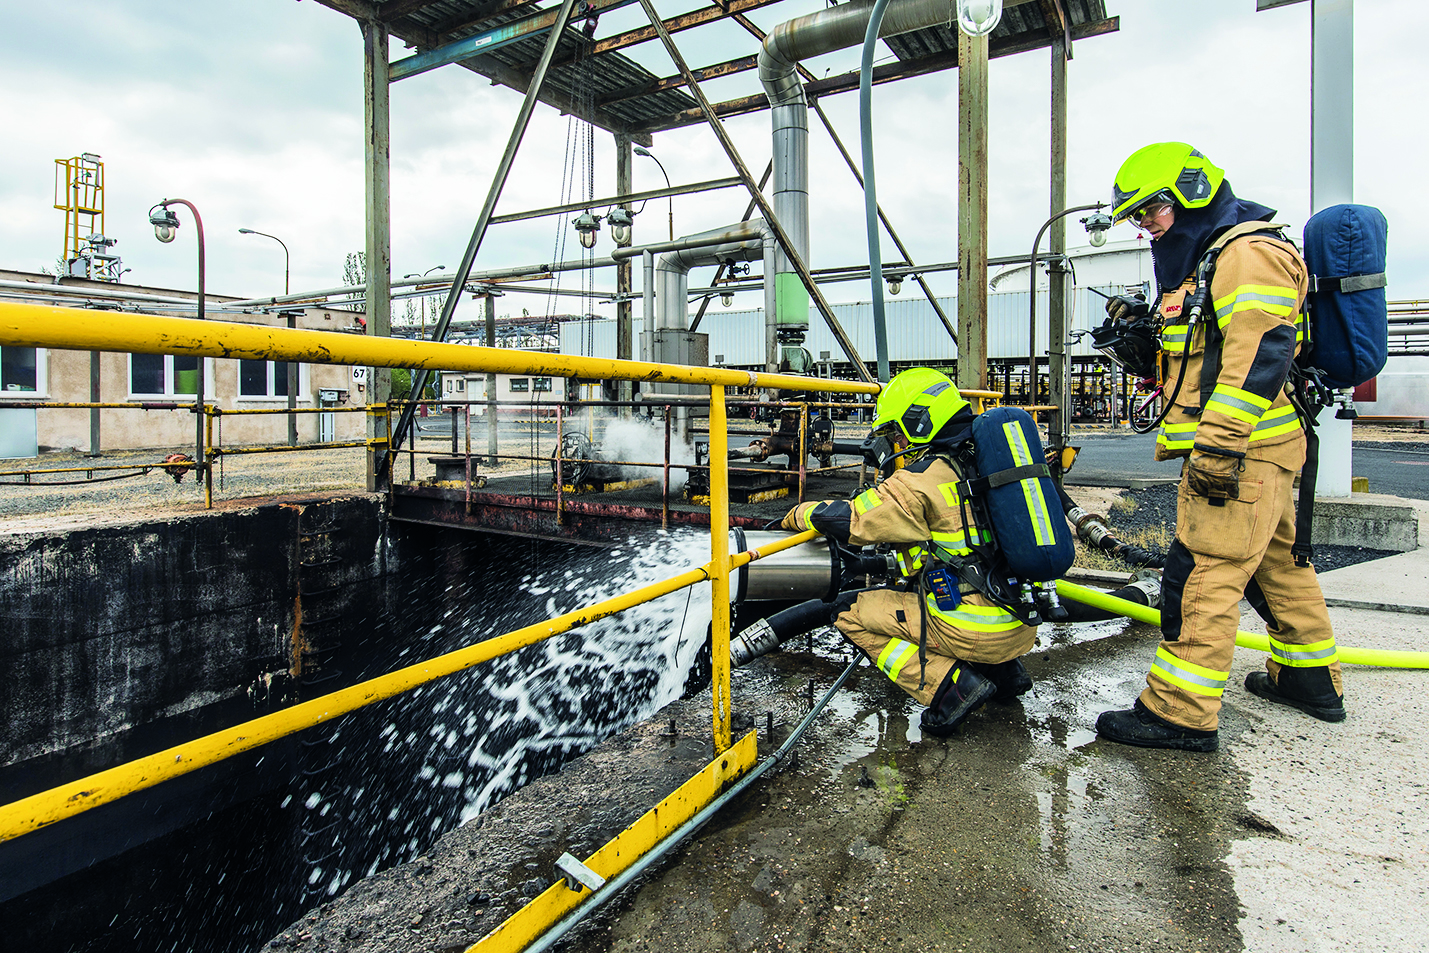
[(1222, 553), (885, 624)]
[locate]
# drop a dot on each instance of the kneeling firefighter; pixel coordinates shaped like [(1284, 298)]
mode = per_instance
[(942, 641)]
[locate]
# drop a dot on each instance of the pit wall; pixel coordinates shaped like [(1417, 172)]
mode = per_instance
[(119, 640)]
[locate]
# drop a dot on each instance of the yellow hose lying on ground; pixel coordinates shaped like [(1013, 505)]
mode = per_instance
[(1385, 658)]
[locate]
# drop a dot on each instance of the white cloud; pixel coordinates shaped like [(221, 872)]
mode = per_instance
[(257, 118)]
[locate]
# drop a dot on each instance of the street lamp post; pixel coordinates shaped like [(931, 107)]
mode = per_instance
[(292, 323), (642, 151), (1096, 227), (411, 371), (166, 226)]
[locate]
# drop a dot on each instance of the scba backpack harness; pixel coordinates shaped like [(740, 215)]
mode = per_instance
[(1022, 544), (1346, 329)]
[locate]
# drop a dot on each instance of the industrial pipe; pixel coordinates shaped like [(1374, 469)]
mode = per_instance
[(29, 325), (1384, 658)]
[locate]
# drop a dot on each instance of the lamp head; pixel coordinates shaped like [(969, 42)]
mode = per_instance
[(588, 226), (979, 17), (1096, 226), (726, 299), (642, 151), (895, 284), (246, 231), (165, 222), (620, 221)]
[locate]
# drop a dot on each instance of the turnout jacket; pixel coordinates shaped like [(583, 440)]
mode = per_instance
[(917, 506), (1257, 294)]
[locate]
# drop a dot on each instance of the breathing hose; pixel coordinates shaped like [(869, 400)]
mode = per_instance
[(613, 886), (1383, 658)]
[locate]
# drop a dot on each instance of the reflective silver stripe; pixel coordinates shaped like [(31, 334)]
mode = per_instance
[(1188, 675)]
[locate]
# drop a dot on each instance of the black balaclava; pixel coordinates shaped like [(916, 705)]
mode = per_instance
[(1176, 252)]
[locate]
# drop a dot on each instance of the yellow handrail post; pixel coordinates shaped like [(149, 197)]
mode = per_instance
[(208, 456), (719, 562)]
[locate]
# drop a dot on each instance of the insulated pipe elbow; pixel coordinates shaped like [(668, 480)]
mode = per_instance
[(743, 242)]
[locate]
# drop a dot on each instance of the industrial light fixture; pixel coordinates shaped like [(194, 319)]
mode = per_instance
[(1096, 226), (620, 221), (165, 222), (979, 17), (588, 226), (895, 284), (726, 299)]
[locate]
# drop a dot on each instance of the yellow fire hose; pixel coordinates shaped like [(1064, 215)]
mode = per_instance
[(1385, 658)]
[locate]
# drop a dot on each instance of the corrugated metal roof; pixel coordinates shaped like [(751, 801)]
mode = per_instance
[(1025, 19)]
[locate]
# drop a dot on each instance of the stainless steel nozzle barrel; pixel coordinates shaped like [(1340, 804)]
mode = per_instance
[(810, 571)]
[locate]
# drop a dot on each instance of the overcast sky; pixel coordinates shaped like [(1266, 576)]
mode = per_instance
[(254, 112)]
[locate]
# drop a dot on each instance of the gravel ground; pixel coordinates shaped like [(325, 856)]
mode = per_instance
[(1155, 507)]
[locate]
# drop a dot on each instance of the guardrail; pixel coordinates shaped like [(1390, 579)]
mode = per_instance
[(25, 325)]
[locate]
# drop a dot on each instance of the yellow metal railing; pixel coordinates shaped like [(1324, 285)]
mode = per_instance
[(25, 325)]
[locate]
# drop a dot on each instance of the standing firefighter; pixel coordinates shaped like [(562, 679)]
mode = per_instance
[(1226, 353), (951, 651)]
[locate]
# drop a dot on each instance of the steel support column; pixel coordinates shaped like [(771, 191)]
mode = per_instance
[(94, 398), (1058, 424), (378, 189), (1332, 182), (972, 212), (624, 310), (799, 265), (492, 423)]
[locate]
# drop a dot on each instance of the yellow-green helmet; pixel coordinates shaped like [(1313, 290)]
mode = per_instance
[(918, 402), (1183, 174)]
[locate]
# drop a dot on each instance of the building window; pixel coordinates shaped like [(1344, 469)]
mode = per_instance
[(520, 385), (164, 375), (461, 384), (257, 379), (20, 370), (541, 383)]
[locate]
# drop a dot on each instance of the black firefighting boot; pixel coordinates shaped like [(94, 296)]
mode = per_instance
[(1010, 678), (963, 692), (1309, 689), (1141, 727)]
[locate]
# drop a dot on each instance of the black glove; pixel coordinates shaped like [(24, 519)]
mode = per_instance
[(1127, 307), (1215, 474)]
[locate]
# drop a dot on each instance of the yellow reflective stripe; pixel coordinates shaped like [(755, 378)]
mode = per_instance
[(1300, 327), (1188, 675), (865, 501), (894, 656), (807, 517), (1272, 299), (1031, 487), (976, 618), (1173, 337), (1177, 436), (1276, 422), (1237, 403), (956, 543), (950, 494), (1304, 656), (916, 553)]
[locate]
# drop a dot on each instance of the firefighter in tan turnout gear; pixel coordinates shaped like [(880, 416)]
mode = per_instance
[(1242, 442), (952, 660)]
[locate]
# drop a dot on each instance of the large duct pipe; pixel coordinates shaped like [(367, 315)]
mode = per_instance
[(836, 28), (743, 242)]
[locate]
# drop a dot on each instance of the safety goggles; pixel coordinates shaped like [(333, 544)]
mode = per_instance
[(1149, 209)]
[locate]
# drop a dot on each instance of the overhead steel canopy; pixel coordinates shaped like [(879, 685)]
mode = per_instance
[(592, 79)]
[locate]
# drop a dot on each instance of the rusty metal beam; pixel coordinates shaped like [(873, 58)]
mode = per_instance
[(727, 68), (468, 20), (888, 73), (684, 21), (396, 9)]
